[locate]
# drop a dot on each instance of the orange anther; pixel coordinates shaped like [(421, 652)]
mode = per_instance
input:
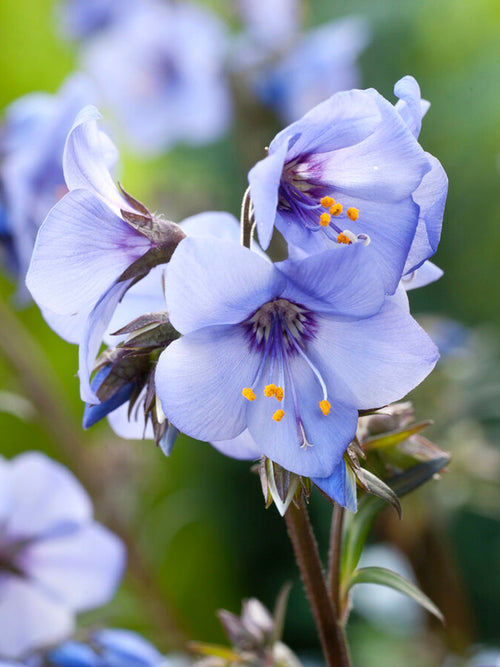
[(352, 213)]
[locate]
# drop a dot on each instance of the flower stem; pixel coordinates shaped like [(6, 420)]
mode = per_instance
[(330, 632), (247, 221)]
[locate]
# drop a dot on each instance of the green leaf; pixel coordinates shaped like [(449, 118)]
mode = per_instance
[(384, 577), (393, 437), (369, 506)]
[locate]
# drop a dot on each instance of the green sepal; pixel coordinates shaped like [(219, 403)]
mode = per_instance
[(216, 650), (384, 577), (393, 437)]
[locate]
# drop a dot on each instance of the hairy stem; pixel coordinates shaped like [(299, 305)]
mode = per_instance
[(330, 632)]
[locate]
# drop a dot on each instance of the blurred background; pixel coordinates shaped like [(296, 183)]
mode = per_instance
[(199, 537)]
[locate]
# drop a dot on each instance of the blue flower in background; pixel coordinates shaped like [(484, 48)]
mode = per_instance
[(161, 73), (82, 19), (321, 62), (32, 140), (108, 648), (290, 351), (270, 24), (55, 560), (345, 172)]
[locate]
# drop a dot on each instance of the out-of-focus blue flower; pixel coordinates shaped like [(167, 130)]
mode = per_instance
[(108, 648), (290, 351), (321, 62), (161, 74), (85, 245), (81, 19), (270, 24), (345, 172), (55, 560), (32, 139)]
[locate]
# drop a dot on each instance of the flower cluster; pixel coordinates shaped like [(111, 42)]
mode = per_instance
[(265, 359)]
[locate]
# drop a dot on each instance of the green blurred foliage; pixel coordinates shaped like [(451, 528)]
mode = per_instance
[(198, 519)]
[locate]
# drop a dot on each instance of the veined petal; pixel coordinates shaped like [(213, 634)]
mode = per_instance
[(341, 281), (88, 155), (380, 359), (264, 179), (304, 441), (340, 486), (44, 495), (29, 618), (242, 447), (97, 323), (82, 568), (199, 380), (345, 119), (81, 249), (238, 283), (388, 165), (431, 198), (410, 106), (425, 274)]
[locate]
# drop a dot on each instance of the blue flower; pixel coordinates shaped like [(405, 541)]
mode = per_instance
[(161, 72), (319, 63), (86, 245), (345, 172), (108, 648), (82, 19), (32, 139), (270, 24), (290, 351), (55, 560)]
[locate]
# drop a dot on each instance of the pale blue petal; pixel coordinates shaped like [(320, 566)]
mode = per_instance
[(131, 427), (199, 380), (123, 648), (82, 568), (81, 249), (44, 495), (410, 105), (340, 486), (94, 413), (327, 435), (379, 359), (424, 275), (242, 447), (388, 165), (29, 618), (217, 282), (74, 654), (431, 198), (97, 323), (88, 154), (219, 224), (264, 179), (341, 281)]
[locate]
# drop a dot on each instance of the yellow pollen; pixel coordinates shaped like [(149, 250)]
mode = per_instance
[(336, 209), (278, 415), (248, 394), (269, 390), (352, 213), (325, 407), (279, 393), (324, 219), (342, 238), (327, 202)]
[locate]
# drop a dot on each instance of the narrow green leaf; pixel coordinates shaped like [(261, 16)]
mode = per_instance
[(393, 437), (369, 506), (384, 577)]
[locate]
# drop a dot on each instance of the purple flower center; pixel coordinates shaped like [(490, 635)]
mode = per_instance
[(304, 195), (280, 330), (9, 556)]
